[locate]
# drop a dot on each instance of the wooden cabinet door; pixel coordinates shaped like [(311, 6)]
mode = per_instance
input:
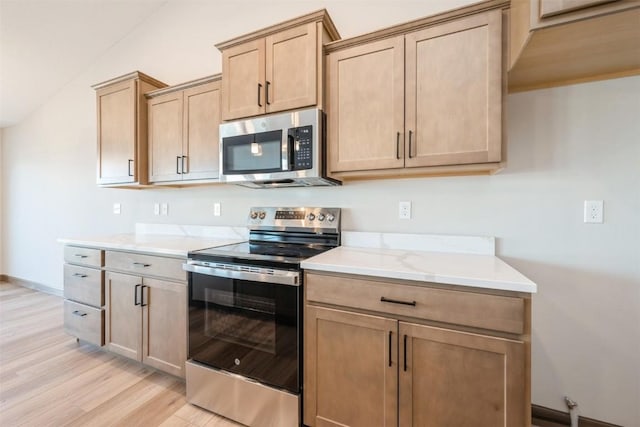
[(243, 82), (366, 107), (454, 92), (351, 369), (164, 325), (291, 69), (116, 107), (201, 139), (458, 379), (556, 7), (123, 319), (165, 137)]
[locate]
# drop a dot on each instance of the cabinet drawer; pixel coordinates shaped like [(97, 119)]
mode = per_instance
[(83, 256), (84, 322), (494, 312), (83, 284), (146, 265)]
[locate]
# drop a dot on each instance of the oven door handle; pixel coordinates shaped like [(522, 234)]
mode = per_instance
[(281, 277)]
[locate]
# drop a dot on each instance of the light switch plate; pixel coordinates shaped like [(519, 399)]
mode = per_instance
[(116, 208), (216, 209)]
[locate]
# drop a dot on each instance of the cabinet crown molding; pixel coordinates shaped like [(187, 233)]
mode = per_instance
[(130, 76), (182, 86), (318, 16), (418, 24)]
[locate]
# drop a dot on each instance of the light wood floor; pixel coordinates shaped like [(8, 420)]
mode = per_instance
[(48, 379)]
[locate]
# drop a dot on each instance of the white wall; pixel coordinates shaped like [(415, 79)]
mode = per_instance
[(565, 145), (2, 181)]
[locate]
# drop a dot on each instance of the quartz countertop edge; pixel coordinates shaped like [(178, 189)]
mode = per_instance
[(473, 270), (161, 244)]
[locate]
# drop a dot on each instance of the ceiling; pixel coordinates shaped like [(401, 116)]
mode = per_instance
[(45, 44)]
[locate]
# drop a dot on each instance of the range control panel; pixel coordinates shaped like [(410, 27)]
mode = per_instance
[(269, 217)]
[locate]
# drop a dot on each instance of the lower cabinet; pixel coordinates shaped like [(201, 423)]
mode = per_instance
[(146, 320), (363, 369)]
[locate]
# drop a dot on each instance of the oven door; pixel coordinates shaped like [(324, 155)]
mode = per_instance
[(247, 323)]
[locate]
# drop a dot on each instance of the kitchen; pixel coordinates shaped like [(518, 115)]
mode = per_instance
[(587, 305)]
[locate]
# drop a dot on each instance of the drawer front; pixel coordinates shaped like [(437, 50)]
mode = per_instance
[(83, 284), (84, 322), (499, 313), (84, 256), (146, 265)]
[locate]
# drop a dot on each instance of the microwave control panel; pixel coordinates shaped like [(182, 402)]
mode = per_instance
[(301, 141)]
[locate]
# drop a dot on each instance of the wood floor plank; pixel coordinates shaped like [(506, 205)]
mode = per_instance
[(48, 379)]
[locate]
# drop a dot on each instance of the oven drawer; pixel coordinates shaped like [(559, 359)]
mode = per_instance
[(83, 256), (84, 322), (146, 265), (494, 312), (85, 285)]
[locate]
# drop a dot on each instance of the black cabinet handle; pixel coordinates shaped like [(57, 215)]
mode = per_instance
[(398, 146), (405, 353), (129, 167), (266, 92), (141, 264), (259, 94), (390, 348), (79, 313), (395, 301), (178, 159), (183, 168), (135, 295), (142, 303), (410, 156), (81, 256), (82, 276)]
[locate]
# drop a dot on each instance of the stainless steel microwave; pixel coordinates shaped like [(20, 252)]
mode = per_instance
[(279, 150)]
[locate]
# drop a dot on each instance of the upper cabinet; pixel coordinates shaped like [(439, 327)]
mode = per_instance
[(122, 129), (183, 132), (559, 42), (275, 69), (422, 98)]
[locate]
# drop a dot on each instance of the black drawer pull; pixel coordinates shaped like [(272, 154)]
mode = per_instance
[(395, 301), (79, 313), (81, 256), (79, 275), (141, 264)]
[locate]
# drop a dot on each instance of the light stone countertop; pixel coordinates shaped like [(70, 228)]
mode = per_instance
[(161, 239), (390, 258)]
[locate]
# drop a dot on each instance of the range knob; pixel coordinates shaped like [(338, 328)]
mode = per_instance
[(254, 215), (311, 217), (331, 217), (321, 217), (262, 215)]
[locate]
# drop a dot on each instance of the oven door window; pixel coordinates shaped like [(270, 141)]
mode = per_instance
[(251, 154), (244, 327)]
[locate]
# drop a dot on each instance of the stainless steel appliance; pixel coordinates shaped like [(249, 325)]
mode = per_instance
[(245, 316), (279, 150)]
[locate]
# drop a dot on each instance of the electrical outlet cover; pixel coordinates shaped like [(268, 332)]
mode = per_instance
[(594, 211)]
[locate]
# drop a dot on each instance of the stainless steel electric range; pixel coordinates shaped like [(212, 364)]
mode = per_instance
[(245, 316)]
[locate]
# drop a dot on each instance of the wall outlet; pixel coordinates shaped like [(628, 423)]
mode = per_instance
[(164, 209), (116, 208), (594, 211), (404, 210), (216, 209), (156, 208)]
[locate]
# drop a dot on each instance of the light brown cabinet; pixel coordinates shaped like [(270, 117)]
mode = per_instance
[(183, 132), (559, 42), (275, 69), (122, 129), (84, 293), (389, 353), (430, 97), (146, 317)]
